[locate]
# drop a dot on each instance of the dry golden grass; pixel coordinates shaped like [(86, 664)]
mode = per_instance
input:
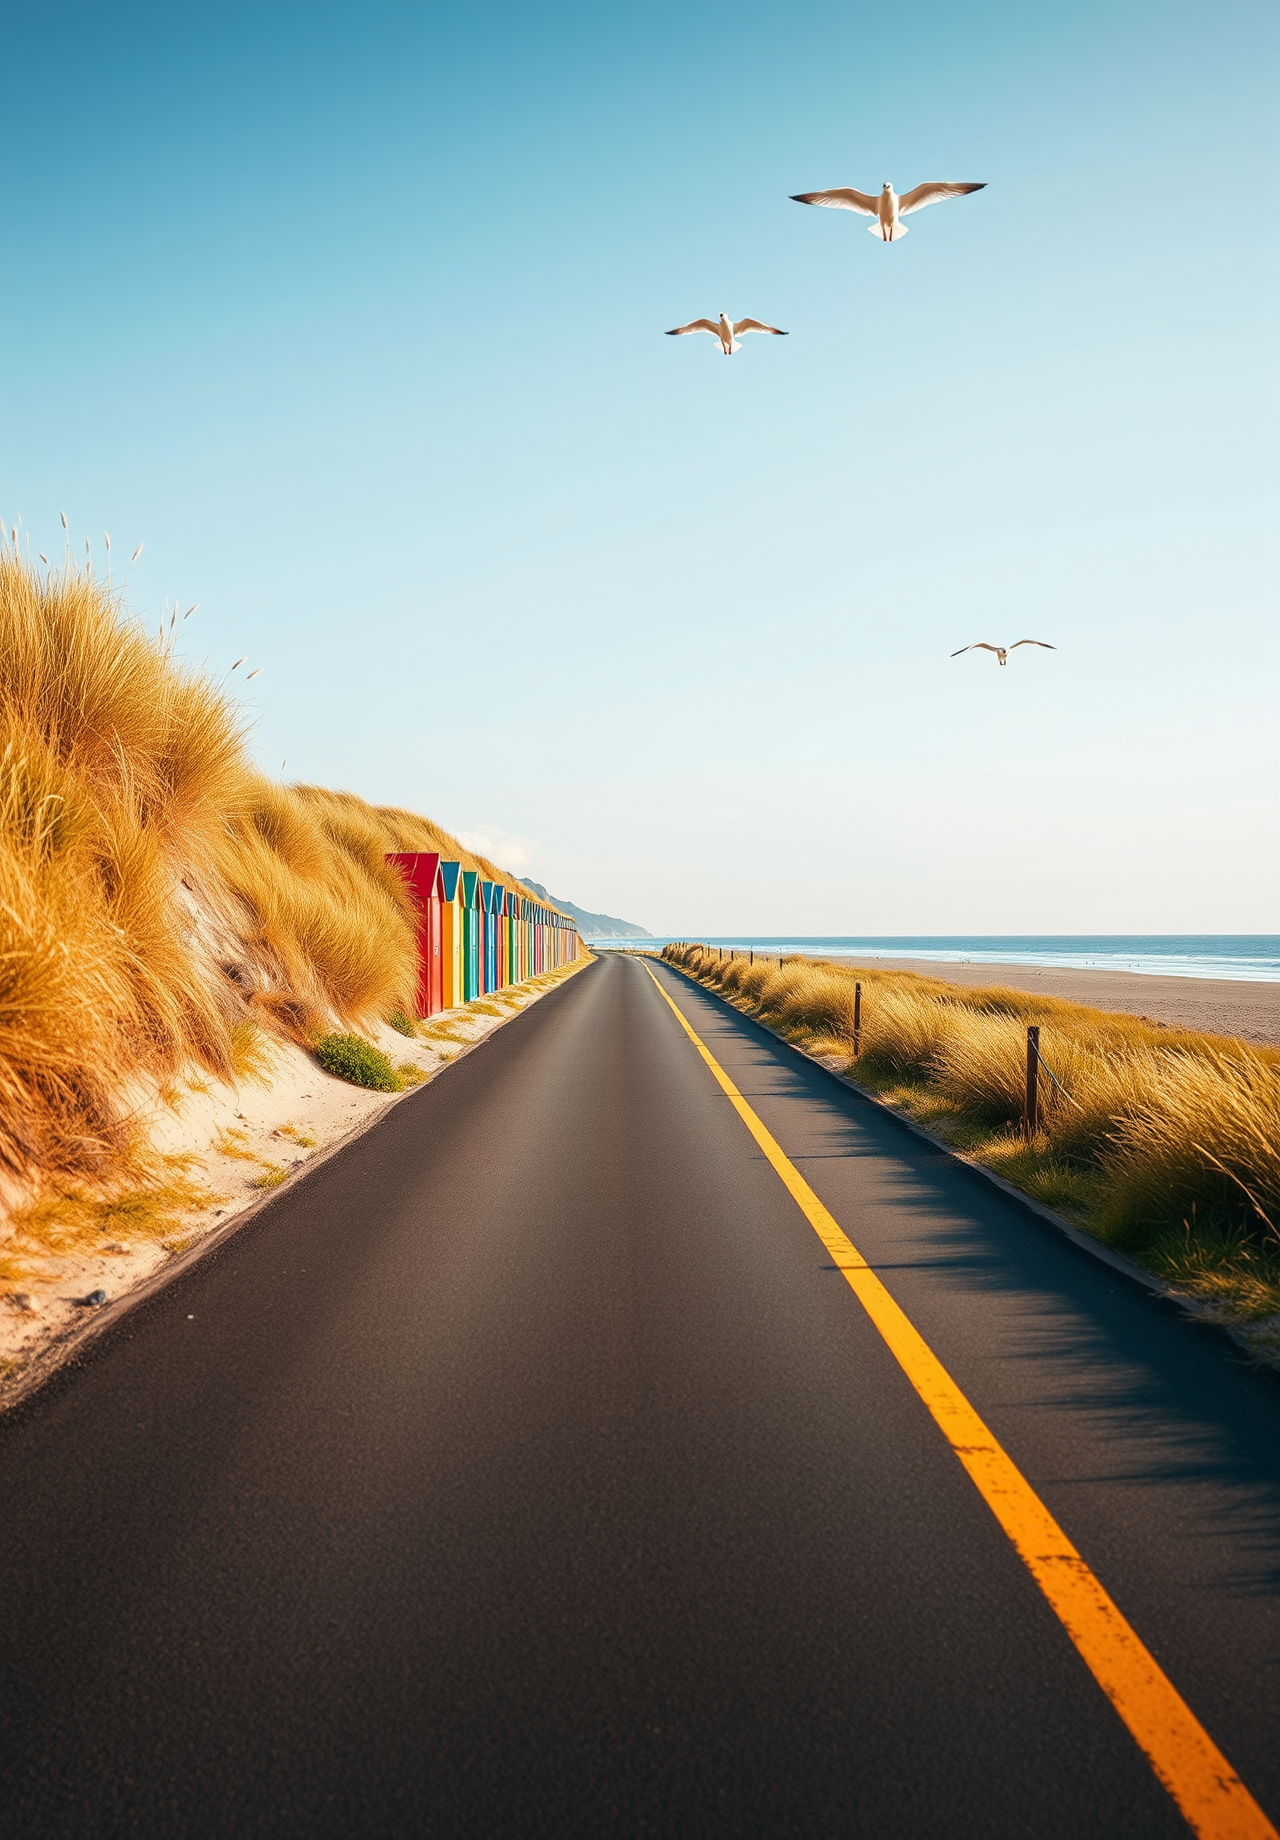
[(164, 910), (235, 1144), (71, 1219), (1164, 1142), (108, 761)]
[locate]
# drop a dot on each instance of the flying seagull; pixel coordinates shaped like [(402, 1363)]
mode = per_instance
[(1002, 651), (888, 209), (726, 330)]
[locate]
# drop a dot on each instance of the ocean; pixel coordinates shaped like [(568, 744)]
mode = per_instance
[(1246, 957)]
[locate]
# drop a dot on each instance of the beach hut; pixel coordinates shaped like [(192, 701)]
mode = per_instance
[(507, 925), (436, 991), (471, 934), (421, 871), (496, 919), (483, 980), (452, 927), (490, 902)]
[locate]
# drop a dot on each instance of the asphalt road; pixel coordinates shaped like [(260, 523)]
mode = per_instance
[(523, 1471)]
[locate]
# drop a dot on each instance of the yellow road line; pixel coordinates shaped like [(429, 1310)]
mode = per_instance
[(1212, 1798)]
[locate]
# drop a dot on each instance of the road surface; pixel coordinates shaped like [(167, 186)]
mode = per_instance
[(526, 1470)]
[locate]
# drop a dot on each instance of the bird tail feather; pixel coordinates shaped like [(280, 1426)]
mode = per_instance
[(735, 345), (895, 235)]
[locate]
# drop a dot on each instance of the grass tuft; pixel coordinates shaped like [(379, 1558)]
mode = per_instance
[(272, 1176), (349, 1057), (235, 1144), (252, 1053), (304, 1139)]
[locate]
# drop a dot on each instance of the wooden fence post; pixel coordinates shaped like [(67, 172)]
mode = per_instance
[(1031, 1109), (857, 1018)]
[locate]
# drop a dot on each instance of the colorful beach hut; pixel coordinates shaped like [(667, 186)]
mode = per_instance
[(471, 935), (475, 936), (490, 894), (509, 898), (421, 872), (452, 928)]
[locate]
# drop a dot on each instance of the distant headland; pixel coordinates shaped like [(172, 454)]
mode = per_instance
[(593, 926)]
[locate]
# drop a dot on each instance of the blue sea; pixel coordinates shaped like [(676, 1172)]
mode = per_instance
[(1247, 957)]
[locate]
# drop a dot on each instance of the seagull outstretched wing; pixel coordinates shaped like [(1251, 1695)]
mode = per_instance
[(932, 191), (695, 325), (979, 645), (843, 198), (756, 325), (1043, 642)]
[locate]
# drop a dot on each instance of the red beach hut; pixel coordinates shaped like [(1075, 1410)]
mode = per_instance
[(421, 870)]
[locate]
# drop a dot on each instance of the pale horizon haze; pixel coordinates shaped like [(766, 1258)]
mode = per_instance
[(354, 316)]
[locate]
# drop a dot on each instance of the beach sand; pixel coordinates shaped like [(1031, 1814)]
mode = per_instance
[(1219, 1006)]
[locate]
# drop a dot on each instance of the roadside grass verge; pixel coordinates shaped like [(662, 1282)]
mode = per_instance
[(1163, 1143)]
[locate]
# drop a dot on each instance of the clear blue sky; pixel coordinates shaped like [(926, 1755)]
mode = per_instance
[(355, 315)]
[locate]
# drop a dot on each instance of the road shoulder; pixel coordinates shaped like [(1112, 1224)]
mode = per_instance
[(233, 1149)]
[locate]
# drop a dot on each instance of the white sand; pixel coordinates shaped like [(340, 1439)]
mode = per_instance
[(244, 1143)]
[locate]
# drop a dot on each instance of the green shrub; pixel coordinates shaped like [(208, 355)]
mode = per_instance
[(348, 1057), (398, 1021)]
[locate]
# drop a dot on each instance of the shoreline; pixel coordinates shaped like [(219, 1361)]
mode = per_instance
[(1242, 1009)]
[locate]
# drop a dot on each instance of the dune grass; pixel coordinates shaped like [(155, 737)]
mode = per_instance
[(165, 911), (69, 1218), (1163, 1142), (272, 1176)]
